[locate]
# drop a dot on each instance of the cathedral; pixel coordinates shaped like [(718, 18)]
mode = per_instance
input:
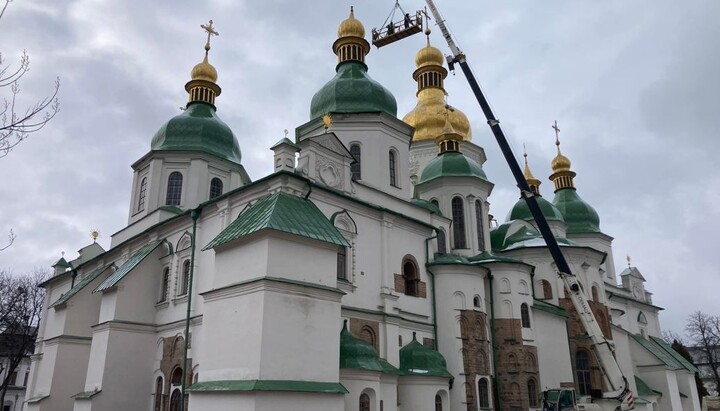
[(366, 273)]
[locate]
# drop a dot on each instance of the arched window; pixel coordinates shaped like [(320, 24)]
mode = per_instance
[(392, 164), (164, 282), (441, 242), (216, 188), (525, 315), (594, 291), (547, 289), (364, 402), (141, 194), (582, 368), (158, 394), (458, 221), (175, 400), (642, 319), (342, 263), (476, 301), (532, 393), (174, 188), (355, 168), (483, 393), (176, 376), (411, 278), (480, 225), (438, 402), (367, 334), (185, 278), (435, 202)]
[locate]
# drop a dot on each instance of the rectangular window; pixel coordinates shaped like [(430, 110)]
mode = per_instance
[(342, 263), (393, 169), (13, 378), (27, 374)]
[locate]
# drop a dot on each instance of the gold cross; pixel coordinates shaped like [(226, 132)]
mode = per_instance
[(210, 32), (557, 133)]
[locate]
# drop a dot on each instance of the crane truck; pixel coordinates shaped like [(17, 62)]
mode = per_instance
[(616, 395)]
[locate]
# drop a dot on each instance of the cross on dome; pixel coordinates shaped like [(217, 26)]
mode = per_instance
[(210, 30)]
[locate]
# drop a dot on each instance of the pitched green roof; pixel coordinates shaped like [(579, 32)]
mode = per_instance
[(357, 354), (426, 205), (352, 91), (676, 355), (131, 263), (281, 212), (451, 164), (416, 359), (658, 352), (486, 257), (62, 262), (644, 390), (269, 385), (549, 308), (80, 285)]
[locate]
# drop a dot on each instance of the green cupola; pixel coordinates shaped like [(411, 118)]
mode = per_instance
[(579, 216), (450, 162), (521, 211), (357, 354), (199, 128), (416, 359), (352, 90)]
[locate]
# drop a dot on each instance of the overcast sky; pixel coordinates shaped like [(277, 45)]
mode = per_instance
[(633, 85)]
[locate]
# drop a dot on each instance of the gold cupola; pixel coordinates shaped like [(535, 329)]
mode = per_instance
[(428, 116), (533, 182), (562, 176), (202, 86), (449, 139), (351, 44)]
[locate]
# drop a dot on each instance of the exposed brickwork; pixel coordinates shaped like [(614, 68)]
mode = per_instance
[(422, 289), (429, 343), (173, 350), (475, 352), (366, 330), (579, 339), (400, 286), (517, 364)]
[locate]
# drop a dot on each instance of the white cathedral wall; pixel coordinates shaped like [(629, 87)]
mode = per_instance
[(359, 382), (417, 393), (554, 359), (665, 381)]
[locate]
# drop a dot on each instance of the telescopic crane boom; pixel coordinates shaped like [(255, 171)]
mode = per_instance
[(617, 395)]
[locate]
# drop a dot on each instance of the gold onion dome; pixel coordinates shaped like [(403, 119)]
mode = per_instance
[(351, 27), (560, 162), (533, 182), (204, 71), (428, 116)]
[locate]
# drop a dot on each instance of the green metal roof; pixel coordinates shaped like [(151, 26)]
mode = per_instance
[(501, 237), (451, 164), (62, 262), (449, 259), (352, 91), (198, 129), (579, 216), (658, 352), (357, 354), (549, 308), (131, 263), (486, 257), (416, 359), (281, 212), (285, 141), (644, 390), (269, 385), (676, 355), (426, 205), (80, 285), (521, 211)]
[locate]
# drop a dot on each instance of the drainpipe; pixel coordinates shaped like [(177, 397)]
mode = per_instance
[(194, 214), (493, 343), (532, 282), (432, 285)]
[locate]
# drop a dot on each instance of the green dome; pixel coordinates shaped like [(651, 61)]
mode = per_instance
[(451, 164), (416, 359), (198, 129), (352, 91), (357, 354), (507, 234), (521, 211), (579, 216)]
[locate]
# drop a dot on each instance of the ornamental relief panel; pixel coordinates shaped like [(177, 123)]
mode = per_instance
[(330, 172)]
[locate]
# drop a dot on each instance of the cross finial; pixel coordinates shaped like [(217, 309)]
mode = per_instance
[(210, 30), (557, 133), (629, 260), (286, 132)]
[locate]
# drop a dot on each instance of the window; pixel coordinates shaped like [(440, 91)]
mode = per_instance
[(393, 168), (547, 289), (582, 368), (185, 279), (642, 320), (435, 203), (411, 278), (175, 400), (525, 315), (483, 393), (13, 378), (342, 263), (458, 221), (476, 301), (479, 221), (355, 168), (364, 402), (176, 376), (141, 194), (532, 393), (158, 394), (164, 283), (594, 292), (216, 188), (174, 188), (27, 374), (441, 242), (438, 402)]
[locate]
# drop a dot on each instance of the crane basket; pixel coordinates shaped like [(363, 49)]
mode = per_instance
[(391, 31)]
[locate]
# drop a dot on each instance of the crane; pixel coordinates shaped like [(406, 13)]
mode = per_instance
[(617, 394)]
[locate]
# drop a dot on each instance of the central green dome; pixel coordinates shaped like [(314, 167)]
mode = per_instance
[(352, 91), (521, 211), (451, 164), (198, 129), (579, 215)]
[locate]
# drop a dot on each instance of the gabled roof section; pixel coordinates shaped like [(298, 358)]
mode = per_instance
[(658, 352), (281, 212), (331, 142), (676, 355), (80, 285), (633, 272), (644, 390), (131, 263)]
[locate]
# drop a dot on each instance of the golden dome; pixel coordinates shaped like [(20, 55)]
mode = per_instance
[(204, 71), (428, 117), (429, 56), (530, 178), (560, 163), (351, 27)]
